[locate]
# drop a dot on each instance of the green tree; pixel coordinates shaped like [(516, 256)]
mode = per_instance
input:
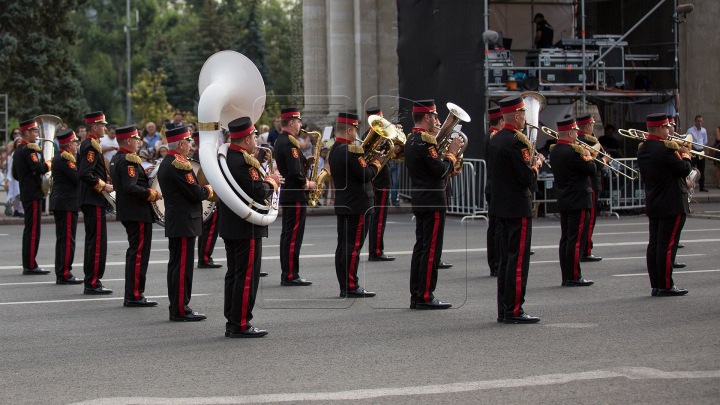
[(148, 97), (251, 43)]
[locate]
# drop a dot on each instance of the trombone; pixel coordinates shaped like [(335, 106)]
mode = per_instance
[(594, 152), (642, 136)]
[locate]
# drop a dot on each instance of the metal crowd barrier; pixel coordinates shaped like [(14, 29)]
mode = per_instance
[(626, 194)]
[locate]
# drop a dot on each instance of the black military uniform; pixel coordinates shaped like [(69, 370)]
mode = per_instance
[(353, 206), (65, 207), (572, 170), (663, 169), (676, 265), (183, 213), (133, 194), (211, 228), (596, 181), (492, 251), (381, 185), (292, 165), (28, 169), (92, 174), (510, 155), (243, 240), (428, 172)]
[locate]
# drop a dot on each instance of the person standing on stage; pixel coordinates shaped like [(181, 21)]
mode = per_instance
[(699, 135), (93, 175), (352, 176), (211, 228), (663, 166), (381, 186), (572, 167), (243, 240), (134, 195), (496, 123), (513, 171), (64, 205), (28, 169), (586, 124), (428, 173), (183, 214), (295, 194)]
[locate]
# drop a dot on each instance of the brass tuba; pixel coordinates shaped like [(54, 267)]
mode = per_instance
[(381, 137), (444, 136), (48, 127)]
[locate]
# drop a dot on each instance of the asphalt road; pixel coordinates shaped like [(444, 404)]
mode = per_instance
[(609, 343)]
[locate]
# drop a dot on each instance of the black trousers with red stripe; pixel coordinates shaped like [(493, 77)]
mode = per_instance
[(492, 251), (95, 244), (291, 239), (573, 228), (514, 239), (664, 237), (180, 274), (429, 232), (206, 241), (241, 281), (31, 233), (136, 258), (377, 224), (591, 226), (351, 230), (65, 230)]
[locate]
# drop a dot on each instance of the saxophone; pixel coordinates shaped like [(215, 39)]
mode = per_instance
[(318, 178)]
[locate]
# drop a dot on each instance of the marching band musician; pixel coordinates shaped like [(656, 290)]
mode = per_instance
[(93, 176), (381, 187), (134, 195), (352, 176), (676, 265), (292, 165), (513, 172), (572, 167), (211, 228), (586, 125), (28, 169), (428, 172), (64, 205), (664, 165), (243, 240), (496, 123), (183, 213)]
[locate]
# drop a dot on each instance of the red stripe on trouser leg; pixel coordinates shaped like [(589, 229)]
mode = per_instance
[(518, 271), (431, 258), (292, 242), (181, 281), (669, 260), (68, 228), (354, 255), (576, 257), (591, 227), (33, 238), (138, 260), (246, 290), (98, 238), (206, 254), (378, 251)]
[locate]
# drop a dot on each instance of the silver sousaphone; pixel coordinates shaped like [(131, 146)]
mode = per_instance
[(48, 126), (159, 206)]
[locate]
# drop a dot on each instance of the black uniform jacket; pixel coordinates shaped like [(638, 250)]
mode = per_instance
[(490, 133), (596, 179), (572, 170), (428, 172), (92, 173), (246, 171), (293, 166), (132, 187), (182, 196), (663, 171), (28, 169), (65, 183), (511, 174), (353, 179)]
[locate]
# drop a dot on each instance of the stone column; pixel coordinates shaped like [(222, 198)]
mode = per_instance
[(315, 54), (366, 55), (341, 56), (387, 59)]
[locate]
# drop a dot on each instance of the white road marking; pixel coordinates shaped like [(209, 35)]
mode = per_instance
[(615, 258), (646, 232), (632, 373), (52, 282), (596, 225), (674, 272), (85, 300)]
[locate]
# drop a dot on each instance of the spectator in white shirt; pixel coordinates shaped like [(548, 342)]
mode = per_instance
[(108, 143), (264, 132), (699, 135)]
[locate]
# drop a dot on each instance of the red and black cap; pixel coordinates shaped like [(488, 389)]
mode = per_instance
[(585, 119), (512, 104), (127, 132), (671, 119), (241, 127), (348, 118), (177, 134), (29, 124), (66, 136), (96, 117), (424, 106), (494, 113), (373, 111), (567, 124), (290, 113), (657, 120), (196, 136)]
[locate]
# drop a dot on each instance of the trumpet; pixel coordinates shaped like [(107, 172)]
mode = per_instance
[(642, 136), (594, 152)]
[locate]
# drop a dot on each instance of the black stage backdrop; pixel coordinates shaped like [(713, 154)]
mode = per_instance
[(440, 56)]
